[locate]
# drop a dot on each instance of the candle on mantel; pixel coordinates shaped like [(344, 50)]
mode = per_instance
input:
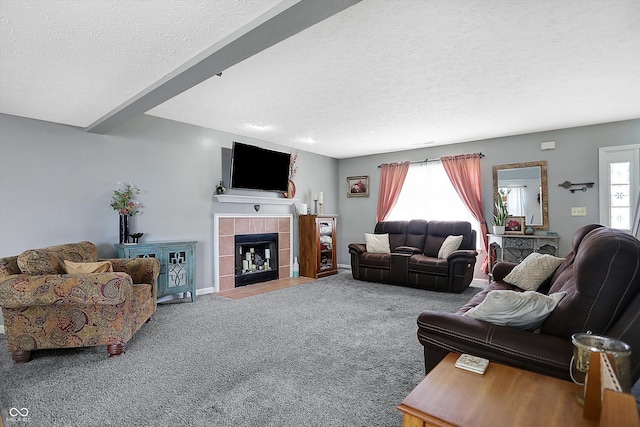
[(321, 198), (267, 253)]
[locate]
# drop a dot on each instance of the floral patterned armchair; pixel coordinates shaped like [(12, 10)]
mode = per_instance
[(44, 307)]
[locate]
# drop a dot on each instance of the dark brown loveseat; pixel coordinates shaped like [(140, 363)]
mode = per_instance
[(602, 279), (413, 260)]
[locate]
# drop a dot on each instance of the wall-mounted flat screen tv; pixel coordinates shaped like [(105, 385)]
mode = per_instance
[(256, 168)]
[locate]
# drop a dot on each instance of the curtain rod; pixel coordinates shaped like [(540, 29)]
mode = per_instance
[(429, 160)]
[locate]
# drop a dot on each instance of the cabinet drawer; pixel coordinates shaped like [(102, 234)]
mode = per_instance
[(517, 243)]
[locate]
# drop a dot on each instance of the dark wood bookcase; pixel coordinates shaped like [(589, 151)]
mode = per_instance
[(317, 235)]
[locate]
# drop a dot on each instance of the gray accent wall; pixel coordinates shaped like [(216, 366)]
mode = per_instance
[(56, 181), (575, 159), (56, 184)]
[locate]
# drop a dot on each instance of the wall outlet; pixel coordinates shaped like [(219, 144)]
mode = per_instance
[(579, 211)]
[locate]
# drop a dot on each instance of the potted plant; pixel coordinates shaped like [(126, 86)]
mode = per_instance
[(501, 213)]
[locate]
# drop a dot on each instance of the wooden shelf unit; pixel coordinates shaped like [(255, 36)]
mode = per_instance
[(317, 237)]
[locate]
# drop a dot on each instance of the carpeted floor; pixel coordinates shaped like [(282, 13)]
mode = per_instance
[(333, 352)]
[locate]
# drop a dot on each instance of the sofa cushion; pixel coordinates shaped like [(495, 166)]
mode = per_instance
[(375, 260), (450, 245), (88, 267), (429, 265), (397, 231), (438, 231), (9, 266), (377, 243), (480, 296), (526, 310), (50, 260), (533, 270)]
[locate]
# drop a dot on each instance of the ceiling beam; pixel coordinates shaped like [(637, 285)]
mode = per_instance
[(279, 23)]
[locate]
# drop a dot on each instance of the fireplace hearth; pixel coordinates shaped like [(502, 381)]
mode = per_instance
[(256, 258)]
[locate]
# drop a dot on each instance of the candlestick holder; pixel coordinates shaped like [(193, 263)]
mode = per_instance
[(321, 209), (315, 202)]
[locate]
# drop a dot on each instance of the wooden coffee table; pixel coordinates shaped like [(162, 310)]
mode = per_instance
[(503, 396)]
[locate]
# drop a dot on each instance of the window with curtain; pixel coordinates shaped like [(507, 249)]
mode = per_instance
[(428, 194)]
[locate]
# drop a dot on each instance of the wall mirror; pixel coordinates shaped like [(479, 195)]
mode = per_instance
[(525, 186)]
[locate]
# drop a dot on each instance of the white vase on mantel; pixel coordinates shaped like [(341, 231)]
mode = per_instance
[(498, 229)]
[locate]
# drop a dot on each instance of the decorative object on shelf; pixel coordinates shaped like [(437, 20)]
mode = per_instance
[(136, 237), (582, 186), (124, 229), (500, 214), (256, 207), (291, 192), (122, 201), (296, 267), (528, 231), (315, 202), (358, 186), (321, 202), (221, 189), (514, 225)]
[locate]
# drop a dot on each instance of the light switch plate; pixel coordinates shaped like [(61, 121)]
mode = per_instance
[(579, 211)]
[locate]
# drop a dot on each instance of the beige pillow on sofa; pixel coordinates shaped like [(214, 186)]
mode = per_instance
[(88, 267), (532, 271), (377, 243), (450, 245), (526, 310)]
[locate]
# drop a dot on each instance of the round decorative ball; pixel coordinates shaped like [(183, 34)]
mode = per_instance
[(528, 230)]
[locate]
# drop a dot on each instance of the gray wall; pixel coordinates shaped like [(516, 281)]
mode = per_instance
[(56, 184), (56, 181), (575, 159)]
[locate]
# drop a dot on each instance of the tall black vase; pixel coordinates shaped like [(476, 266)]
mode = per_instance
[(124, 229)]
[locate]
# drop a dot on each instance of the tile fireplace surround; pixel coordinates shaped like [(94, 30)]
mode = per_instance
[(227, 226)]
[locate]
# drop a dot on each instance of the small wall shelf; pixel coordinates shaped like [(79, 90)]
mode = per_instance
[(254, 200)]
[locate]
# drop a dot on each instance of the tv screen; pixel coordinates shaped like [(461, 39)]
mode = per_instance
[(255, 168)]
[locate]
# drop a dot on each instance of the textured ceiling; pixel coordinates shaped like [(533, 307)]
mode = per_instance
[(379, 76)]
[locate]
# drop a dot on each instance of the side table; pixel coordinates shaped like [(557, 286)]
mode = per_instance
[(503, 396), (177, 264)]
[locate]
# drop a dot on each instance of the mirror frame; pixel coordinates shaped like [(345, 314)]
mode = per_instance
[(543, 188)]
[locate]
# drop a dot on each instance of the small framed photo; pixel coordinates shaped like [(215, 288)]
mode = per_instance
[(358, 186), (514, 225)]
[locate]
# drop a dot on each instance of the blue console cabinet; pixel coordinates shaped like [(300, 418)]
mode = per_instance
[(177, 264)]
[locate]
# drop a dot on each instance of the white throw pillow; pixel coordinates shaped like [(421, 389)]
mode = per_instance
[(533, 270), (377, 243), (526, 310), (450, 244)]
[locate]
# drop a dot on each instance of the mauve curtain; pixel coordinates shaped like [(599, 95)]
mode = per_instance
[(464, 173), (392, 177)]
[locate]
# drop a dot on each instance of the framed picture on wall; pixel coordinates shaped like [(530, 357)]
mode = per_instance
[(358, 186), (514, 225)]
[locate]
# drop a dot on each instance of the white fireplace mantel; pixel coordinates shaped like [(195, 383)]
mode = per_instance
[(254, 200)]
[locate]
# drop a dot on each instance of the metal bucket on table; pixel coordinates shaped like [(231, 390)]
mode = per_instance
[(583, 345)]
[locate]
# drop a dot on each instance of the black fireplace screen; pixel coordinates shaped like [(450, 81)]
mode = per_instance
[(256, 258)]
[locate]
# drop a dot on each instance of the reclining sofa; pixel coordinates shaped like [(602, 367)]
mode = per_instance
[(601, 278), (413, 256), (44, 307)]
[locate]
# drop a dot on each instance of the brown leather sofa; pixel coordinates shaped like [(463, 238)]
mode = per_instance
[(413, 260), (602, 279)]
